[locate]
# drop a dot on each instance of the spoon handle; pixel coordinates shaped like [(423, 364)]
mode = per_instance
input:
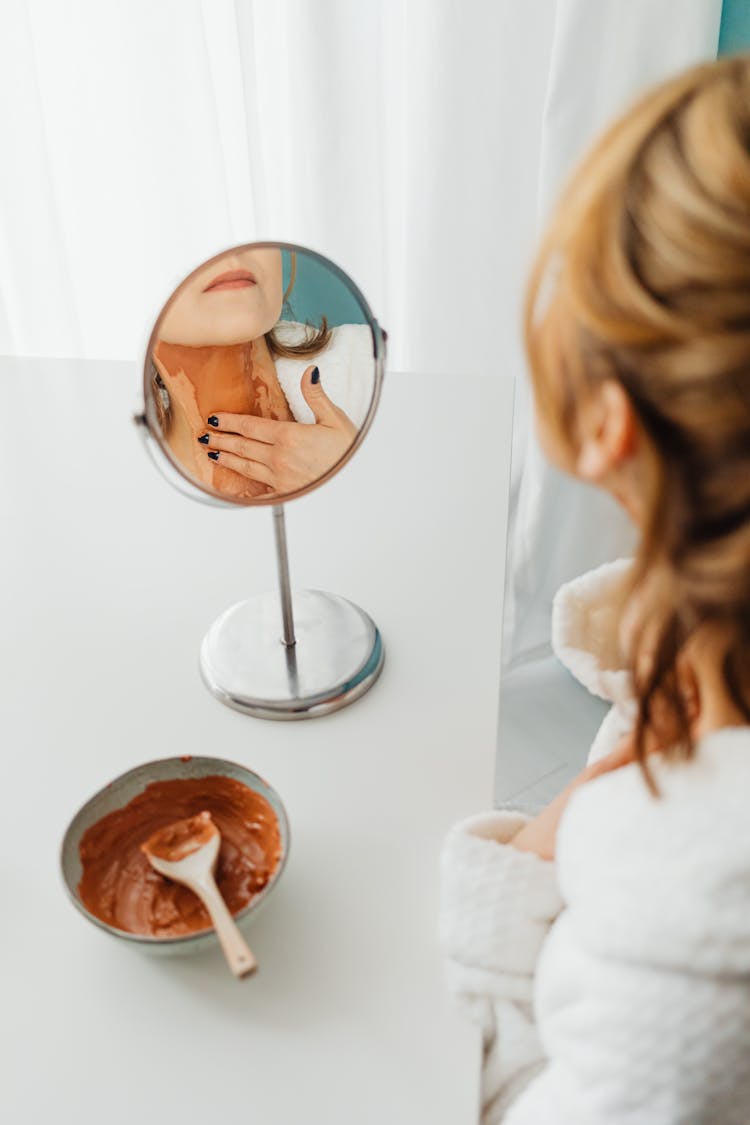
[(240, 957)]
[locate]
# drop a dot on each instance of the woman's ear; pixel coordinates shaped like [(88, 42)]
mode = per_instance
[(609, 433)]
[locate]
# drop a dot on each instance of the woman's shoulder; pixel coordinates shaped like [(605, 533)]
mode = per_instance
[(711, 790), (721, 758), (665, 875)]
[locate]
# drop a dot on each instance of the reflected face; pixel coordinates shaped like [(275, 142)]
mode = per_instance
[(233, 299)]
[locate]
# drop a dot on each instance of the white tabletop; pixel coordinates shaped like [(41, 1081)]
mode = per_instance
[(108, 581)]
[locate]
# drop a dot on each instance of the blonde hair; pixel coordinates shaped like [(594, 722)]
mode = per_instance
[(645, 271)]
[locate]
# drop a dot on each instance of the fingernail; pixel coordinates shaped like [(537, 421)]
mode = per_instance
[(214, 455), (203, 439), (315, 377), (213, 420)]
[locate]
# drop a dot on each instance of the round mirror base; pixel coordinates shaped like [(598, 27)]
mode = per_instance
[(337, 656)]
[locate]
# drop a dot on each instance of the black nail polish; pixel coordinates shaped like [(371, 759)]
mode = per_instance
[(213, 420), (203, 439), (214, 455), (315, 376)]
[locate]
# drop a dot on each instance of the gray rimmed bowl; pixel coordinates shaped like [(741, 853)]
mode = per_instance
[(122, 790)]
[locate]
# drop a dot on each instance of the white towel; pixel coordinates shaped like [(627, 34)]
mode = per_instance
[(347, 369)]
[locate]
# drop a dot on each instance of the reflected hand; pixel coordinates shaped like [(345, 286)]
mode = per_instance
[(286, 456)]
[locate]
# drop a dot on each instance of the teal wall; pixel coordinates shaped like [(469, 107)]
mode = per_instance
[(318, 291), (735, 26)]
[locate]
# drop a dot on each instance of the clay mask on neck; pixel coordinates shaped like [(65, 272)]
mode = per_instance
[(235, 378)]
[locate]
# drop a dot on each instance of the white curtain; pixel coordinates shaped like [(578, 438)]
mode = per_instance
[(415, 142), (125, 162), (604, 54), (399, 137)]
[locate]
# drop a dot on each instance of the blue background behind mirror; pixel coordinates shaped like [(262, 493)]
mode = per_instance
[(317, 291), (735, 26)]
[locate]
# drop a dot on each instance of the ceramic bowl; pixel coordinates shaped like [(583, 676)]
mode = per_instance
[(122, 790)]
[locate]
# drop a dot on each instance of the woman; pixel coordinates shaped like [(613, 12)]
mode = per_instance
[(604, 945), (231, 382)]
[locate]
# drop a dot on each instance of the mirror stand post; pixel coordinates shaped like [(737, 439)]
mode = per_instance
[(329, 653), (282, 559)]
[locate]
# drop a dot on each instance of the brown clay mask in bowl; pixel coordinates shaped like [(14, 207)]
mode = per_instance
[(118, 884)]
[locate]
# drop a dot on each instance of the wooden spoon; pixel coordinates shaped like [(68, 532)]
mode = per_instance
[(186, 851)]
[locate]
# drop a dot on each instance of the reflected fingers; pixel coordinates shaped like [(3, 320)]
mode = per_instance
[(254, 470), (248, 425), (247, 448)]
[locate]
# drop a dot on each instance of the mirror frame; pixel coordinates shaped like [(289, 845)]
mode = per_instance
[(162, 456)]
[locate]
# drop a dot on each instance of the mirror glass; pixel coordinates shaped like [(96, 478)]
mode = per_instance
[(262, 373)]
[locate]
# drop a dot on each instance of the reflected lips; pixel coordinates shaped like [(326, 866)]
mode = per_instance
[(232, 279)]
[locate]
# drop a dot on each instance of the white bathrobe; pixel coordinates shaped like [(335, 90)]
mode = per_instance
[(612, 986), (347, 370)]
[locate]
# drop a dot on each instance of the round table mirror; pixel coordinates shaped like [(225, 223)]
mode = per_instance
[(262, 375)]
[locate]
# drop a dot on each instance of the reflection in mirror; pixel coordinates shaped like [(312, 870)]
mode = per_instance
[(261, 372)]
